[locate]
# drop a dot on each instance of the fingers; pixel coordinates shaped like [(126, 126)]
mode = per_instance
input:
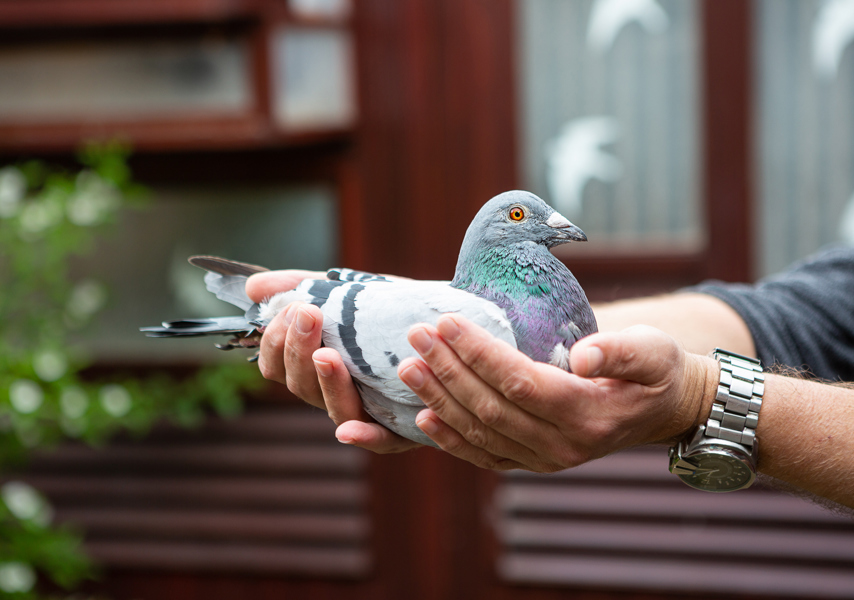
[(641, 354), (271, 353), (484, 428), (261, 286), (291, 354), (373, 437), (535, 388), (286, 349), (492, 359), (345, 408), (452, 442), (342, 399)]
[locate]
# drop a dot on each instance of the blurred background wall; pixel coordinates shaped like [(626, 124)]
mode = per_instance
[(690, 139)]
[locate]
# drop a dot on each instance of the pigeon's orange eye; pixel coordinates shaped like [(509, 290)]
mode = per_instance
[(516, 214)]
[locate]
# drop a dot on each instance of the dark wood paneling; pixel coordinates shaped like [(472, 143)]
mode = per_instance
[(437, 139), (727, 95), (624, 522), (42, 13), (271, 492), (438, 135), (39, 22)]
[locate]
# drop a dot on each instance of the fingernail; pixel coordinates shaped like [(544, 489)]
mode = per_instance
[(412, 376), (344, 439), (305, 321), (595, 359), (428, 425), (324, 369), (420, 340), (449, 329), (289, 314)]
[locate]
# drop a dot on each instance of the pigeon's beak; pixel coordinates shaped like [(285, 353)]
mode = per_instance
[(564, 229)]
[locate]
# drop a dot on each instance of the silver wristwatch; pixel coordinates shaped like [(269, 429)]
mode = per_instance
[(720, 456)]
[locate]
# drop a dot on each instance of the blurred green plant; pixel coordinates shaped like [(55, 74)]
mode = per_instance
[(47, 217)]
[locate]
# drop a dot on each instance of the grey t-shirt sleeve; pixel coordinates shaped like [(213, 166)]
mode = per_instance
[(802, 317)]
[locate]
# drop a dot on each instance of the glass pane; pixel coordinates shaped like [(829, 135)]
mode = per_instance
[(610, 118), (123, 80), (805, 128), (313, 83), (327, 9), (144, 263)]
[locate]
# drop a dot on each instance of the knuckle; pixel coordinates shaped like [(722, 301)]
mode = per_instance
[(292, 353), (502, 464), (476, 435), (477, 357), (267, 370), (519, 387), (263, 367), (565, 454), (580, 457), (274, 336), (294, 386), (457, 446), (597, 432), (566, 458), (439, 404), (490, 413), (490, 462), (446, 371)]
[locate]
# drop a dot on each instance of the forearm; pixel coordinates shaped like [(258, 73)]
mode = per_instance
[(804, 429), (805, 436), (698, 321)]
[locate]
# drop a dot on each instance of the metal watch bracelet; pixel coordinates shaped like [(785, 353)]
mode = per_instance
[(735, 412)]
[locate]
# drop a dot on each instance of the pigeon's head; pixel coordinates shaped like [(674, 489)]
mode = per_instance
[(518, 217)]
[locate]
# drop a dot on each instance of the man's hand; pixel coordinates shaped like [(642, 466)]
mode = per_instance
[(291, 354), (491, 405)]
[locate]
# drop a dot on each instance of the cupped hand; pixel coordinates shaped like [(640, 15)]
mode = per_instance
[(493, 406), (291, 354)]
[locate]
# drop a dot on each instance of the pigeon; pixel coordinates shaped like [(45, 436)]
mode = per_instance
[(506, 281)]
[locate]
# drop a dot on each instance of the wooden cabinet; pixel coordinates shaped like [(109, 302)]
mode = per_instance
[(188, 74)]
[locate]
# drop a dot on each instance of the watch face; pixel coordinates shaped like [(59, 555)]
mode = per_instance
[(717, 470)]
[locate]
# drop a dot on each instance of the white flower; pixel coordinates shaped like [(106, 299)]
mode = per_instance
[(13, 186), (50, 365), (40, 215), (116, 400), (25, 395), (87, 298), (73, 402), (16, 577), (26, 503), (93, 201)]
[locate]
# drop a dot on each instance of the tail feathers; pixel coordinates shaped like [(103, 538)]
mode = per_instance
[(223, 266), (226, 279), (229, 288), (199, 327)]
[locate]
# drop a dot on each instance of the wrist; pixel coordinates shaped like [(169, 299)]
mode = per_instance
[(702, 374)]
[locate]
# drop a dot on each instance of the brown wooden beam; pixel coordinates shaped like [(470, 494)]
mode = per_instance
[(727, 27)]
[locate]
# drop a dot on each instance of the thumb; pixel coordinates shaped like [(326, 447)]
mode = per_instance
[(261, 286), (641, 353)]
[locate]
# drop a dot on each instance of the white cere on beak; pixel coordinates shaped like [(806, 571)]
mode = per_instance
[(558, 221)]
